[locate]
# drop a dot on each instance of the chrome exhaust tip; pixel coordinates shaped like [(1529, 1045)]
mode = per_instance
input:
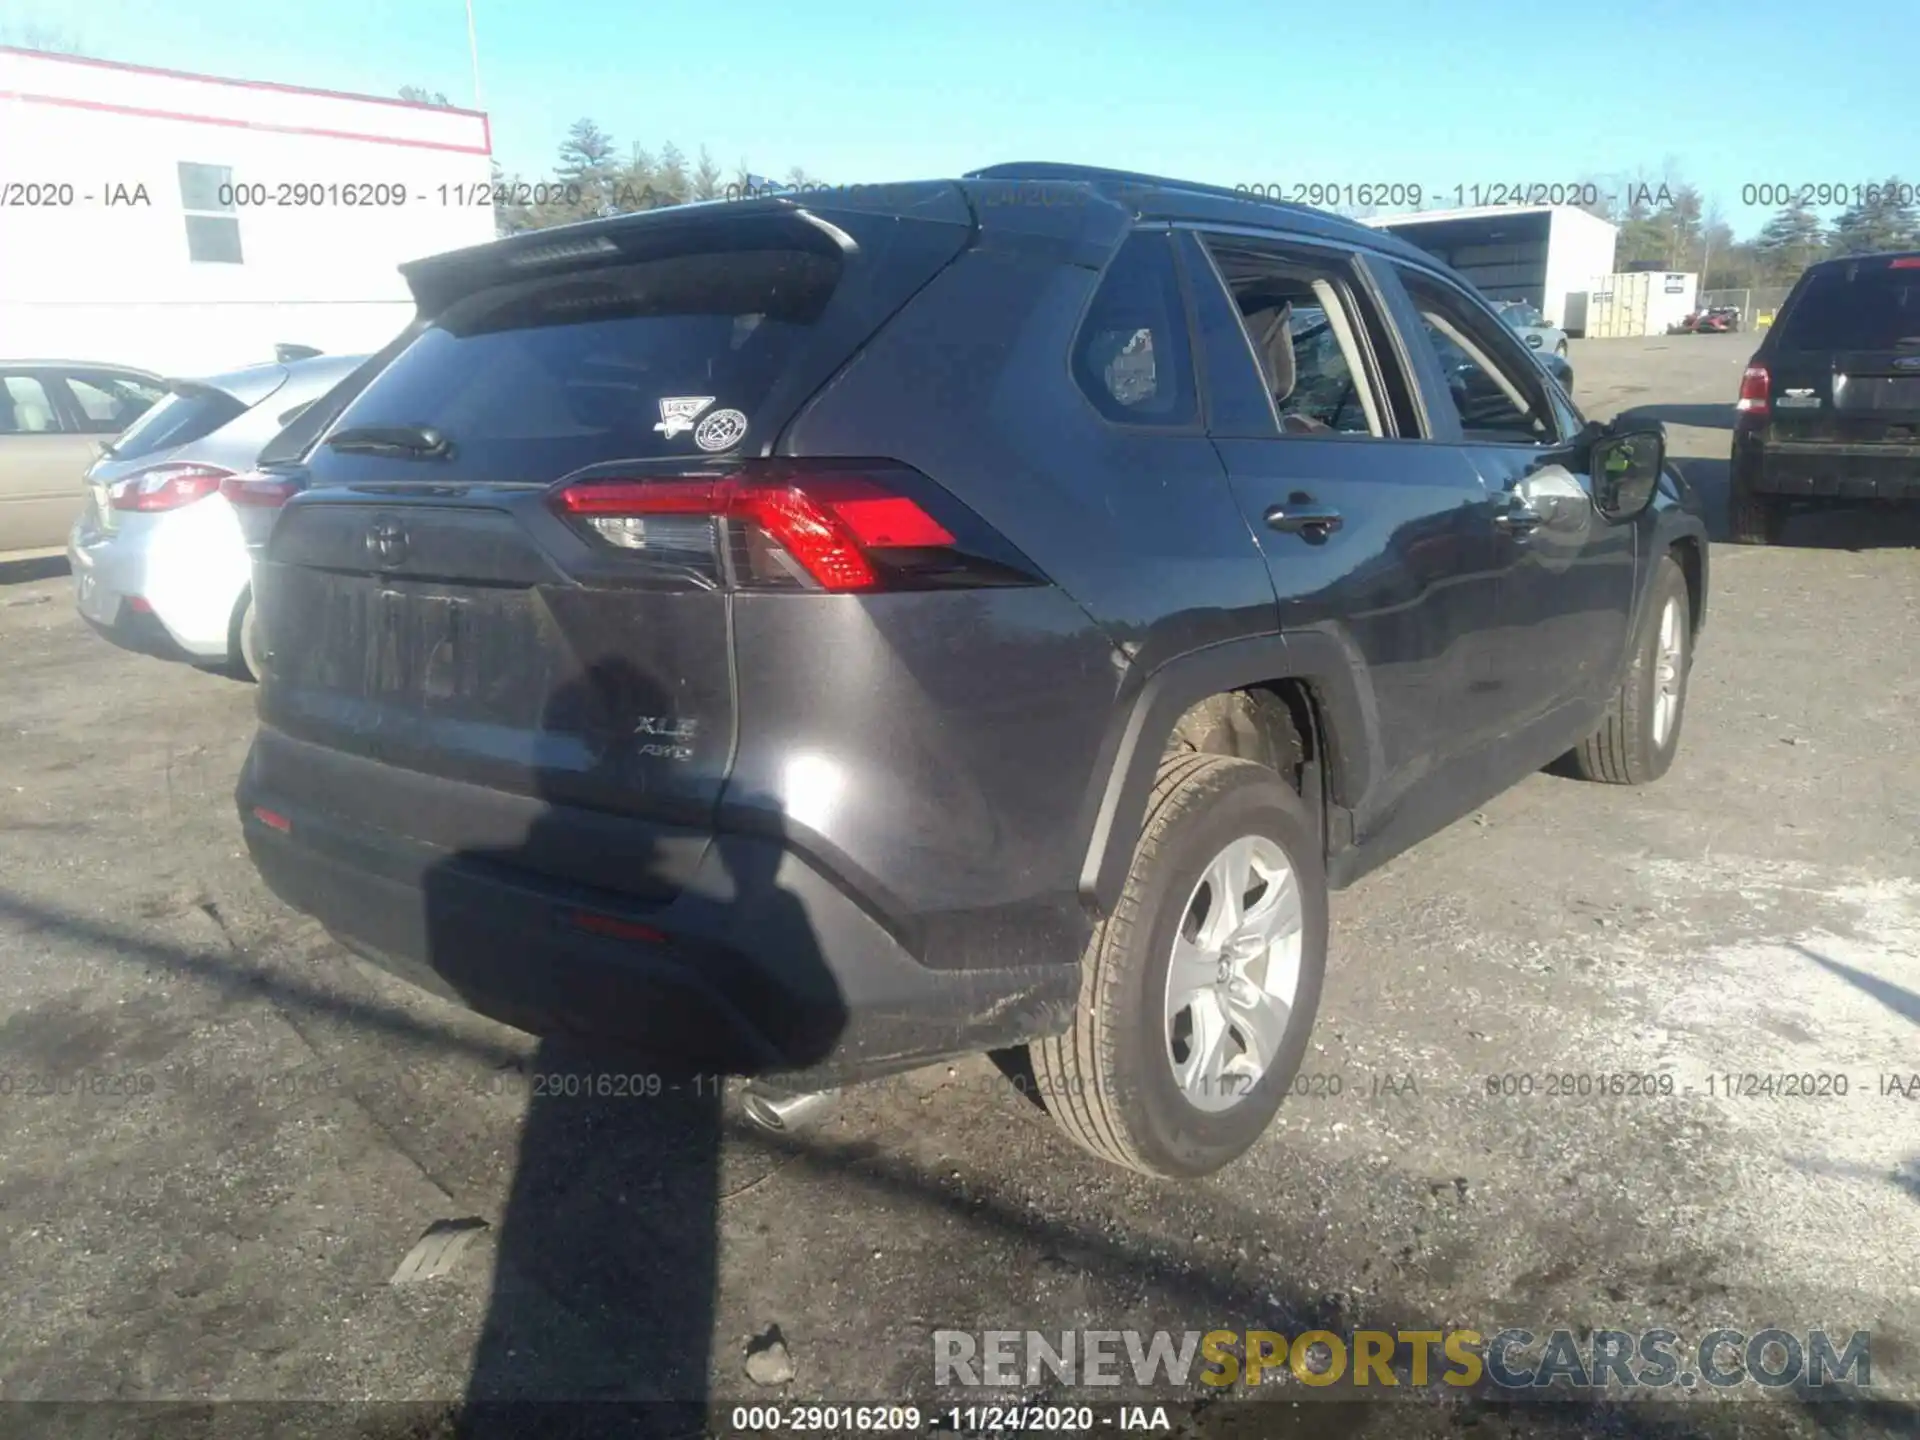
[(783, 1112)]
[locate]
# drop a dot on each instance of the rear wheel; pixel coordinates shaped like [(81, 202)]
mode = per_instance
[(1754, 519), (1640, 735), (1198, 993)]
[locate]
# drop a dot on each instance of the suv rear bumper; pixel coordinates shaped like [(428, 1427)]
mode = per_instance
[(759, 963), (1812, 470)]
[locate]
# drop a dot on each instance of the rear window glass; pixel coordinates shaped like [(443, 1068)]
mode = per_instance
[(1855, 307), (664, 357), (179, 419)]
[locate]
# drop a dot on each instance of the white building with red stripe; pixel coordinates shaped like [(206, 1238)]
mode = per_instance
[(189, 224)]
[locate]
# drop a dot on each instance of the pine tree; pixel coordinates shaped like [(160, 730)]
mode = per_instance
[(509, 216), (706, 181), (1791, 241), (636, 187), (1879, 222), (670, 176), (587, 165)]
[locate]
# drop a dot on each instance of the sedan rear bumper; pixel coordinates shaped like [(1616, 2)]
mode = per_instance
[(188, 568)]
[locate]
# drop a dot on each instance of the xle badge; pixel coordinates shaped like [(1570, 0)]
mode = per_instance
[(678, 412)]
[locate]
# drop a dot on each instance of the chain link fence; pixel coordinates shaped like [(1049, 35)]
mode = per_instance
[(1757, 306)]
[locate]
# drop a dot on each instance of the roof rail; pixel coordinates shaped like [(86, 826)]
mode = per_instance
[(1047, 169), (1098, 175)]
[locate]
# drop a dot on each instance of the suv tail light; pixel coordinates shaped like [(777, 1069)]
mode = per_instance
[(1755, 391), (165, 487), (260, 489), (840, 525)]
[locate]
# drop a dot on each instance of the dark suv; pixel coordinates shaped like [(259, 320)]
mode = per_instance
[(1829, 408), (808, 638)]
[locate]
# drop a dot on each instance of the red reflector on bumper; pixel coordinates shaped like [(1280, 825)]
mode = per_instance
[(614, 928), (272, 819), (139, 605)]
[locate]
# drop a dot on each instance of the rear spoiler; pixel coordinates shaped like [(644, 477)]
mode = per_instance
[(784, 219)]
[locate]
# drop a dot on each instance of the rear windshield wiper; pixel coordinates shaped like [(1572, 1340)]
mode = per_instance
[(408, 442)]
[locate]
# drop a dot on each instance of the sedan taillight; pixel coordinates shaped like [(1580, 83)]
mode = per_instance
[(165, 487)]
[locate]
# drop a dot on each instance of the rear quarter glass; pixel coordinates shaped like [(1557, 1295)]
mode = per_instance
[(667, 356)]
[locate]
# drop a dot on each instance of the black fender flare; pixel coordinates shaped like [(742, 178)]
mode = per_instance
[(1673, 527), (1344, 749)]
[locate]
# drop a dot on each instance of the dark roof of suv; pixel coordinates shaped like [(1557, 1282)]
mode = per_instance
[(1159, 197), (1835, 262), (1124, 194)]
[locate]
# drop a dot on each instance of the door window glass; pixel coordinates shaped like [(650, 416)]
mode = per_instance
[(1497, 393), (25, 406), (1304, 329), (110, 403)]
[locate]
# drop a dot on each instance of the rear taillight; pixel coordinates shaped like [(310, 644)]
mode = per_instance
[(796, 524), (1905, 262), (166, 487), (256, 488), (1755, 391)]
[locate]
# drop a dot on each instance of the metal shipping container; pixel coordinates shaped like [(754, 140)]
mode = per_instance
[(1638, 303)]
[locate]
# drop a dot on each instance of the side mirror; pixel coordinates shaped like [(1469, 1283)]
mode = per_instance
[(1626, 471)]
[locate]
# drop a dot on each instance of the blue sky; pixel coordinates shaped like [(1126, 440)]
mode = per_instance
[(1434, 92)]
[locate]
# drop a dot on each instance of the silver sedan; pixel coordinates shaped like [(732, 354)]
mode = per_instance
[(159, 559)]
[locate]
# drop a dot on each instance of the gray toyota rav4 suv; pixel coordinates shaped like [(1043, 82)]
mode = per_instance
[(812, 636)]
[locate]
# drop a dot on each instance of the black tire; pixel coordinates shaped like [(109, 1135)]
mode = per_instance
[(1109, 1081), (244, 657), (1626, 750), (1754, 519)]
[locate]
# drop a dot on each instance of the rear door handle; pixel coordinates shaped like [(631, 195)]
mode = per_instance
[(1304, 517)]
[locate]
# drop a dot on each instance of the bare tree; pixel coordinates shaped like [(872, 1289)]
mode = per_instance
[(50, 39)]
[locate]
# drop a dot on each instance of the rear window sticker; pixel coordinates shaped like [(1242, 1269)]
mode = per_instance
[(721, 430), (677, 413)]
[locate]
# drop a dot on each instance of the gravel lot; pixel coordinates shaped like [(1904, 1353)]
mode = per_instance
[(230, 1229)]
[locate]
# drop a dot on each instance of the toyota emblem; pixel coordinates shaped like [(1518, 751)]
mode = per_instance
[(387, 541)]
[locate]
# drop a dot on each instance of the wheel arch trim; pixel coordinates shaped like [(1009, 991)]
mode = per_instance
[(1149, 706)]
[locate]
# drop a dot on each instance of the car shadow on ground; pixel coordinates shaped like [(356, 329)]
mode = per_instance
[(607, 1256), (19, 572), (1699, 417), (592, 1249)]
